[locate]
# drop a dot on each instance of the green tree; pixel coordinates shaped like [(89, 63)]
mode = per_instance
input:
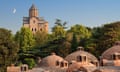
[(77, 34), (26, 42), (58, 31), (80, 31), (8, 49), (26, 39), (30, 62), (40, 38), (110, 34), (74, 43), (59, 23), (64, 48)]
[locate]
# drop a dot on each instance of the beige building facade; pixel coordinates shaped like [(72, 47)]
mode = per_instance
[(34, 22)]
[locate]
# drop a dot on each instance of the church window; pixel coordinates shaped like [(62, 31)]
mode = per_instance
[(40, 29), (32, 29), (33, 21), (35, 29), (45, 25)]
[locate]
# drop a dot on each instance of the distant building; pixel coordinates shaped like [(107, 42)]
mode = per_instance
[(34, 22)]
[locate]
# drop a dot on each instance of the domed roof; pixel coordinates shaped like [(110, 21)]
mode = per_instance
[(81, 52), (113, 50), (50, 61)]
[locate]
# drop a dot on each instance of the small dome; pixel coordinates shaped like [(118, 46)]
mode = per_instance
[(113, 50), (79, 52), (50, 61)]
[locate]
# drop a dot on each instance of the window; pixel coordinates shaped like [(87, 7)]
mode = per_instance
[(62, 64), (33, 21), (22, 69), (79, 58), (66, 64), (40, 29), (118, 56), (32, 29), (57, 63), (25, 69), (84, 58), (35, 29), (114, 57), (96, 63)]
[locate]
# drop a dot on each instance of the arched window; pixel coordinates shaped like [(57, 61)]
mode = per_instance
[(32, 29), (35, 29), (40, 29), (33, 21)]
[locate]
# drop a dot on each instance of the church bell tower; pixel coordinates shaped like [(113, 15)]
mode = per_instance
[(33, 11)]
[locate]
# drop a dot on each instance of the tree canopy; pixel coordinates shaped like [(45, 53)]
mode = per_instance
[(8, 49)]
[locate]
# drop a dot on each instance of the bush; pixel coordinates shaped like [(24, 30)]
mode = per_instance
[(30, 62)]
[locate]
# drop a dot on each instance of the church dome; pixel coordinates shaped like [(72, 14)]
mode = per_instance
[(50, 61), (81, 52), (113, 50)]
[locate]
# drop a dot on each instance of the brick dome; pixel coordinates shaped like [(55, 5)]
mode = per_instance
[(113, 50), (50, 61), (81, 52)]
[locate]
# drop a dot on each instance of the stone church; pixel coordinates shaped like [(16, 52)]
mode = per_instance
[(34, 22)]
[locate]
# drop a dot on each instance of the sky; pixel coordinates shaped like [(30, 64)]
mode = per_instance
[(91, 13)]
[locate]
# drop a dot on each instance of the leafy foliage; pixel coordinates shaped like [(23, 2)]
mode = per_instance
[(110, 34), (74, 43), (40, 38), (8, 49), (26, 41), (30, 62), (80, 31)]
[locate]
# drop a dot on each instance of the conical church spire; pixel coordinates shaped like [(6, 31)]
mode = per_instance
[(33, 11)]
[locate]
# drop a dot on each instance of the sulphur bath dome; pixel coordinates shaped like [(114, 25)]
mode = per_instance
[(53, 60), (81, 55), (114, 50)]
